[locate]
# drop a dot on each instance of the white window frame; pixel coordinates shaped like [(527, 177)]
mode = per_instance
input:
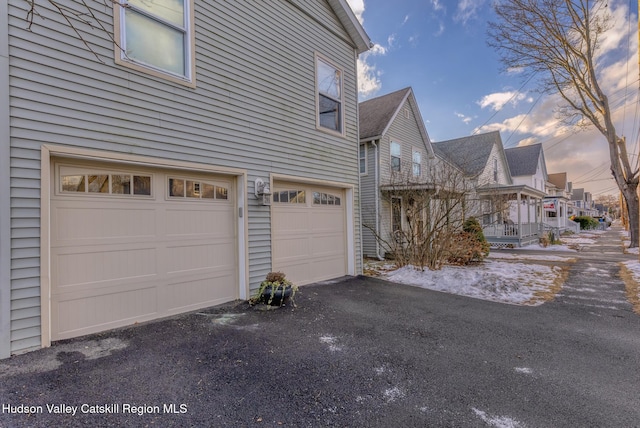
[(121, 58), (362, 158), (340, 132), (415, 152), (391, 146)]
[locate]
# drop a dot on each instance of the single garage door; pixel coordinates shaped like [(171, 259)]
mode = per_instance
[(134, 244), (309, 232)]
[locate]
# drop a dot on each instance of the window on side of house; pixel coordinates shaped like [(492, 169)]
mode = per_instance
[(417, 163), (495, 170), (329, 88), (396, 156), (157, 37), (362, 157)]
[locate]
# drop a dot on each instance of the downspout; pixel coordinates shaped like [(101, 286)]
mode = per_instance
[(5, 187), (377, 200)]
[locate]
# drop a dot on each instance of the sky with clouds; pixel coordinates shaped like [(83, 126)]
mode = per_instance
[(439, 47)]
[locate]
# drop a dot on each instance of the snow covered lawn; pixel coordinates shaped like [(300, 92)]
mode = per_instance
[(505, 282)]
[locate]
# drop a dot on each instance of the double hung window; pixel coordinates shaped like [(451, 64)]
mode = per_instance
[(329, 87), (157, 37)]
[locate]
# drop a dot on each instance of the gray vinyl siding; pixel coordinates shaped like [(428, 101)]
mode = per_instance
[(253, 108), (405, 131), (368, 188)]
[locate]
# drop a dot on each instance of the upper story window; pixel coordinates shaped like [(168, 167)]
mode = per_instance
[(495, 170), (417, 163), (157, 37), (329, 86), (362, 157), (396, 154)]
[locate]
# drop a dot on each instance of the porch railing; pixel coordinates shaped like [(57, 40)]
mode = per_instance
[(511, 230)]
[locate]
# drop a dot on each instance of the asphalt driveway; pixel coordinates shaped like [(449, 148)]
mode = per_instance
[(357, 353)]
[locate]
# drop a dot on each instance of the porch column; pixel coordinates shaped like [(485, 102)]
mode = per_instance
[(519, 199)]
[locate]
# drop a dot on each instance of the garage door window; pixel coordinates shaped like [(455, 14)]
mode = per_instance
[(107, 184), (181, 188), (290, 196), (320, 198)]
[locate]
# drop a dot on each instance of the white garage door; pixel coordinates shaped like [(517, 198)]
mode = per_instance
[(309, 232), (130, 245)]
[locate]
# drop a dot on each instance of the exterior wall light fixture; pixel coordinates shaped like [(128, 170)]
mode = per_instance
[(263, 191)]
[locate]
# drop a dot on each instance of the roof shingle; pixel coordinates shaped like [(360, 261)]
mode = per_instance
[(376, 113)]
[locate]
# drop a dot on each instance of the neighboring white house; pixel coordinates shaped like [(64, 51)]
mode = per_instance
[(136, 185), (583, 203), (557, 205), (482, 158), (528, 167)]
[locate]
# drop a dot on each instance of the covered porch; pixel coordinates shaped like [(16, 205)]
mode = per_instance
[(511, 215)]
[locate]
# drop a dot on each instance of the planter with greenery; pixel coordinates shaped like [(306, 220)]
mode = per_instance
[(275, 290)]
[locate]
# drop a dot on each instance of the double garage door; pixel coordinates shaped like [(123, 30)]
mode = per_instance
[(134, 244), (309, 232)]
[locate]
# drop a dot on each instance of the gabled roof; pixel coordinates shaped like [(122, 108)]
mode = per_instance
[(578, 194), (348, 19), (559, 180), (523, 160), (377, 114), (470, 154)]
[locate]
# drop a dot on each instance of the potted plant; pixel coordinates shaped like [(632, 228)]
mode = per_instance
[(275, 290)]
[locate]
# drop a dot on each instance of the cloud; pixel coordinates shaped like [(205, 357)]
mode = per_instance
[(357, 6), (497, 100), (467, 10), (465, 119), (437, 5), (368, 75), (584, 153), (406, 18)]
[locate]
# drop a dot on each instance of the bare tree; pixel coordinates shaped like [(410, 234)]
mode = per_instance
[(425, 228), (79, 16), (560, 41)]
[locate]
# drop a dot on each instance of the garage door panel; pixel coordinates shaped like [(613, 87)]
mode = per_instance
[(292, 247), (197, 257), (86, 315), (93, 266), (100, 222), (327, 221), (197, 293), (309, 239), (118, 259), (327, 244), (215, 221), (296, 221)]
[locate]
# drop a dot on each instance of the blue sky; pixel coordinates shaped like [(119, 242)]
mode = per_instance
[(439, 47)]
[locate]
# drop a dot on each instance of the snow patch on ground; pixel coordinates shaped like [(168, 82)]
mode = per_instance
[(497, 421), (331, 341), (538, 257), (88, 349), (515, 283), (393, 394)]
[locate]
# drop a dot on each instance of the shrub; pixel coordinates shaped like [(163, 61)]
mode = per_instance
[(472, 225), (468, 246), (587, 222)]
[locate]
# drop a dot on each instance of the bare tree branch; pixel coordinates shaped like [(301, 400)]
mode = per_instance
[(560, 42)]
